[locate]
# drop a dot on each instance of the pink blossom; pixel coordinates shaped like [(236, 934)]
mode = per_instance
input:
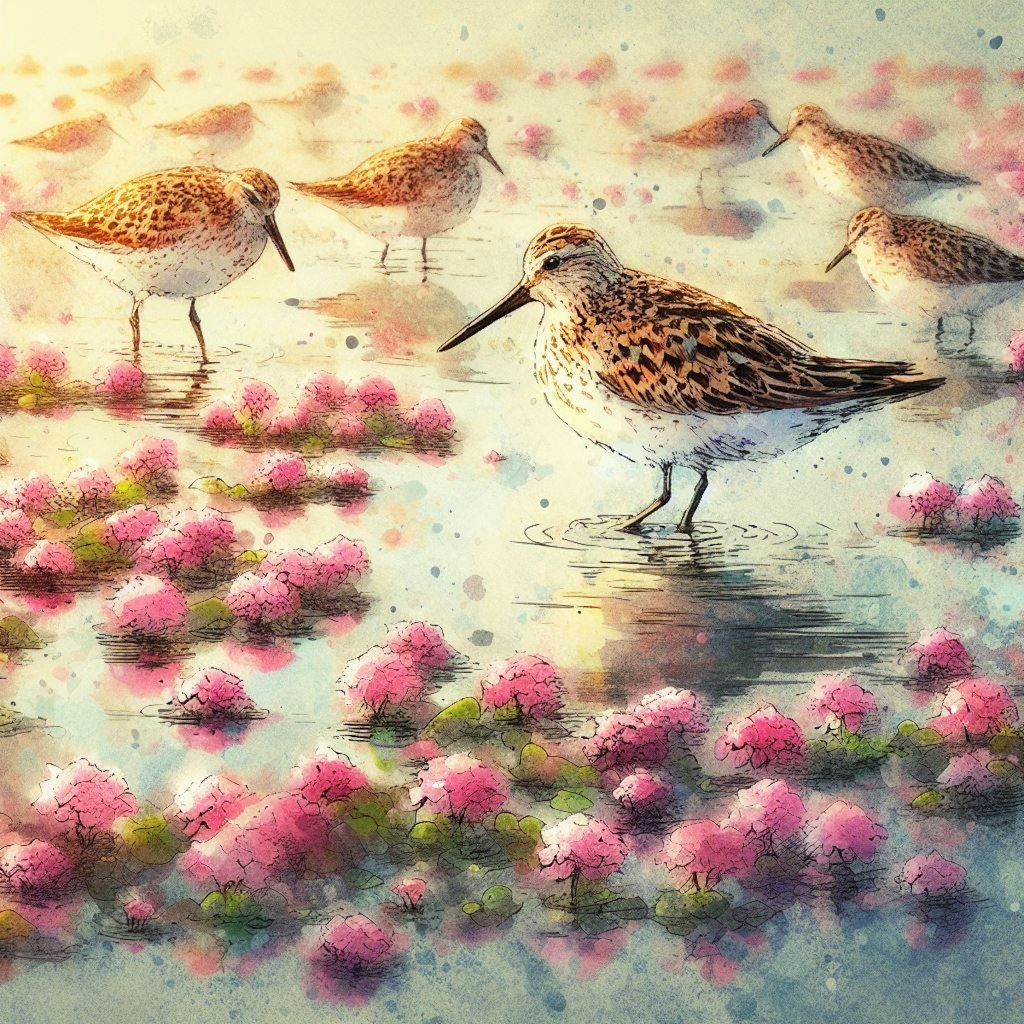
[(212, 693), (382, 679), (48, 362), (930, 874), (706, 852), (36, 870), (808, 76), (84, 797), (347, 477), (48, 557), (533, 138), (525, 682), (280, 471), (376, 392), (431, 416), (643, 793), (973, 709), (257, 399), (460, 787), (122, 380), (767, 812), (841, 699), (581, 845), (1014, 353), (911, 129), (219, 416), (297, 568), (148, 605), (677, 711), (15, 529), (485, 92), (354, 945), (662, 69), (968, 773), (925, 497), (941, 655), (130, 527), (283, 833), (137, 912), (208, 804), (149, 457), (33, 494), (877, 95), (349, 430), (981, 501), (765, 739), (420, 644), (329, 776), (339, 562), (625, 740), (261, 599), (8, 362), (91, 483), (411, 891), (844, 833), (731, 68), (323, 391)]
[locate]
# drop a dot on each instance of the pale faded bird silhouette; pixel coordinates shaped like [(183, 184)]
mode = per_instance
[(223, 126), (128, 87), (314, 100), (75, 143), (181, 233), (419, 188), (663, 373)]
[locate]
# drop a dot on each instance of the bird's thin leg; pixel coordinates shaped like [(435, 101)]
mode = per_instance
[(659, 502), (939, 329), (136, 331), (686, 524), (423, 252), (970, 329), (384, 253), (193, 317), (700, 187)]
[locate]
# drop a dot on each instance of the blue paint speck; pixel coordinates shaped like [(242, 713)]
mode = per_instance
[(555, 1001), (435, 571), (885, 460), (776, 206), (995, 42), (599, 203), (880, 13), (847, 470), (464, 33)]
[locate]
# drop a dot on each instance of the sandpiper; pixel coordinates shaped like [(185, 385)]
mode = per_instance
[(420, 188), (180, 233), (859, 167), (922, 263), (127, 88), (223, 126), (317, 99), (663, 373), (725, 139), (77, 142)]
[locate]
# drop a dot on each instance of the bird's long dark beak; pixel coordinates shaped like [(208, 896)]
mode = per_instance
[(838, 258), (156, 83), (486, 154), (519, 296), (778, 142), (771, 125), (275, 237)]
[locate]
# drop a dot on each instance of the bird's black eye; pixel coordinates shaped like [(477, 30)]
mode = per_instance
[(552, 262)]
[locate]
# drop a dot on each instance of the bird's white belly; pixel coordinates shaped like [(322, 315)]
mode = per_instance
[(196, 267), (836, 171)]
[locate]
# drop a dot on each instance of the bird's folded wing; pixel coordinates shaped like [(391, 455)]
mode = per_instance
[(952, 255), (707, 356), (902, 163)]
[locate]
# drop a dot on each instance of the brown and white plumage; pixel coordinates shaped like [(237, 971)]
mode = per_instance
[(224, 126), (419, 188), (128, 87), (182, 233), (79, 141), (664, 373), (927, 264), (725, 139), (860, 167), (314, 100)]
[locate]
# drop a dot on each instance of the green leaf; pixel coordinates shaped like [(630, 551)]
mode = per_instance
[(471, 908), (213, 613), (907, 728), (149, 840), (16, 635), (250, 558), (62, 518), (129, 492), (453, 721), (927, 737), (426, 832), (94, 552), (570, 802), (36, 379), (360, 879), (927, 801), (209, 485), (239, 491), (496, 897), (531, 826)]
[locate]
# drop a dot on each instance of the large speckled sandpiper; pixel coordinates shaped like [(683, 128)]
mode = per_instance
[(925, 264), (418, 189), (663, 373), (863, 168), (181, 233)]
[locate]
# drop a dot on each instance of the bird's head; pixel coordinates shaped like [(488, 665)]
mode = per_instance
[(258, 196), (468, 135), (803, 121), (870, 224), (756, 108)]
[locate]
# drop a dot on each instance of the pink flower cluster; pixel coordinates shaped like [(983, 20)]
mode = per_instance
[(261, 600), (213, 694), (48, 363), (15, 529), (844, 833), (525, 683), (459, 787), (767, 739), (643, 794), (328, 776), (982, 501), (1014, 354), (706, 852), (939, 506), (431, 416), (128, 528), (35, 870), (123, 381), (46, 558), (644, 734), (33, 494), (148, 458), (91, 484), (188, 541), (968, 774), (583, 846), (280, 472), (420, 643), (137, 912), (410, 891), (974, 709), (840, 700), (208, 804), (940, 655), (932, 876), (148, 606), (84, 798), (767, 813), (354, 945)]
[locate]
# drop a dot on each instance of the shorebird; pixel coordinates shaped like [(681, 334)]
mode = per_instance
[(663, 373), (921, 263), (180, 233), (726, 139), (864, 168), (315, 100), (224, 126), (127, 88), (76, 142), (420, 188)]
